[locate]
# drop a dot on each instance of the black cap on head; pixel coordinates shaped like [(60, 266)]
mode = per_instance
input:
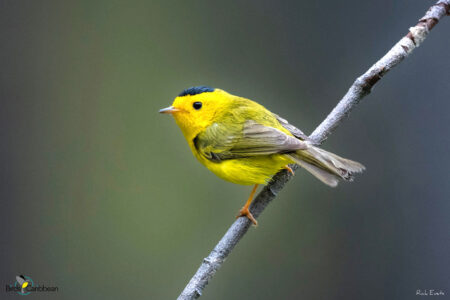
[(195, 90)]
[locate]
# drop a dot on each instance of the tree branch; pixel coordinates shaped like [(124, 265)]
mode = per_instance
[(360, 88)]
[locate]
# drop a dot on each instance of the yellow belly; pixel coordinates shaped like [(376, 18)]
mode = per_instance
[(248, 171)]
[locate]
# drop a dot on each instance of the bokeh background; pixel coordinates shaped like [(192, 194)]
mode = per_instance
[(101, 196)]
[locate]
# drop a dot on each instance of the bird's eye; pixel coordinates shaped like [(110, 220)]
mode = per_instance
[(197, 105)]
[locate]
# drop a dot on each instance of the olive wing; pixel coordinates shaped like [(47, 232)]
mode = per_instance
[(220, 142), (292, 129)]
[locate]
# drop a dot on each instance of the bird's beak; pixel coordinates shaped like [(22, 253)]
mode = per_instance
[(168, 110)]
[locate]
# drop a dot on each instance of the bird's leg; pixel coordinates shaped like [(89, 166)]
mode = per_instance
[(245, 211), (289, 169)]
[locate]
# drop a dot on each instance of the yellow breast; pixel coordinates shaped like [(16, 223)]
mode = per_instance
[(246, 171)]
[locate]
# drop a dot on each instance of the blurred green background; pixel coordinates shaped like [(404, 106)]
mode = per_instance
[(101, 196)]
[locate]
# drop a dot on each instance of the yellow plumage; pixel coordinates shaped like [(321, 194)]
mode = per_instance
[(242, 142), (216, 107)]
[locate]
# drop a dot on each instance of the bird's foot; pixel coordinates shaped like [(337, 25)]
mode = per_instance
[(289, 169), (245, 212)]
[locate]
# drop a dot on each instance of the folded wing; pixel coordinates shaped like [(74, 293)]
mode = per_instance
[(220, 142)]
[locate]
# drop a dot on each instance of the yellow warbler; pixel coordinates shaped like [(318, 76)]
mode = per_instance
[(241, 141)]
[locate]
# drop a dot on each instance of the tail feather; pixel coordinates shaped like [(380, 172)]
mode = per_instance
[(327, 178), (326, 166)]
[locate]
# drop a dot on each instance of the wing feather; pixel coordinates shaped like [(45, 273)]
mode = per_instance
[(292, 129), (220, 142)]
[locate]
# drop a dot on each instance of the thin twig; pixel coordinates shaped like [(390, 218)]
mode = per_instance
[(360, 88)]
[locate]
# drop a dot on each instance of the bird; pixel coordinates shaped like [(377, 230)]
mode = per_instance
[(242, 142), (23, 282)]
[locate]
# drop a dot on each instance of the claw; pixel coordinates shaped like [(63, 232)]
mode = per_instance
[(245, 212), (289, 169)]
